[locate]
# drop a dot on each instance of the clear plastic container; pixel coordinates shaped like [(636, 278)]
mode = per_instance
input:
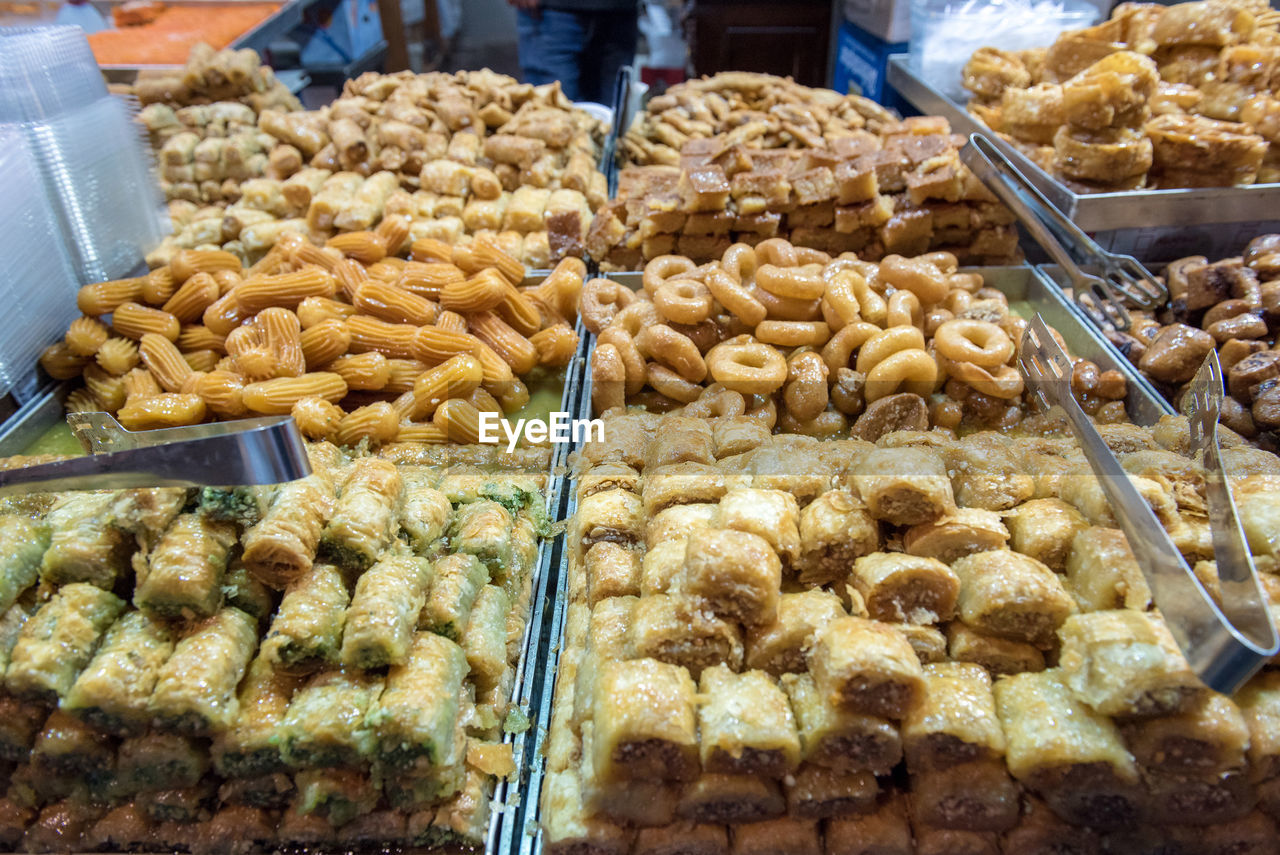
[(46, 71), (945, 33)]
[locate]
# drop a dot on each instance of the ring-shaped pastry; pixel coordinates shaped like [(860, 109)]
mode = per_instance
[(913, 371), (739, 261), (886, 343), (667, 382), (683, 301), (786, 308), (1005, 382), (736, 298), (662, 268), (632, 359), (717, 402), (673, 350), (793, 333), (778, 251), (904, 310), (793, 283), (840, 348), (980, 342), (915, 275), (602, 299), (608, 379), (747, 366), (636, 317)]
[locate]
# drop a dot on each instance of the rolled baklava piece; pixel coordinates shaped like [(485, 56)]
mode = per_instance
[(1070, 755), (365, 514), (974, 795), (1102, 572), (607, 638), (721, 799), (384, 611), (784, 645), (417, 714), (612, 570), (782, 836), (736, 573), (113, 690), (680, 440), (835, 529), (59, 640), (306, 632), (998, 656), (987, 472), (616, 516), (640, 802), (679, 630), (1012, 596), (662, 568), (1259, 702), (865, 666), (1126, 663), (326, 724), (836, 739), (681, 484), (1044, 529), (901, 588), (771, 514), (182, 575), (1042, 832), (955, 721), (684, 838), (250, 748), (962, 532), (196, 689), (678, 522), (456, 583), (608, 476), (425, 511), (884, 831), (645, 719), (904, 486), (932, 840), (816, 792), (745, 724)]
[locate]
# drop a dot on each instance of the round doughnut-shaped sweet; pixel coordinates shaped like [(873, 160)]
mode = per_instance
[(683, 301), (840, 302), (747, 366), (980, 342), (739, 261), (608, 379), (913, 371), (985, 293), (778, 251), (1003, 382), (717, 402), (969, 282), (793, 283), (762, 409), (872, 305), (787, 308), (946, 262), (840, 348), (736, 297), (935, 318), (885, 343), (662, 268), (667, 382), (904, 310), (806, 393), (632, 359), (915, 275), (637, 316), (793, 333), (601, 300), (667, 347)]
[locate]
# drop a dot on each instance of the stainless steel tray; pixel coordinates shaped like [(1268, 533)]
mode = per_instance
[(1171, 223), (1019, 283), (506, 819)]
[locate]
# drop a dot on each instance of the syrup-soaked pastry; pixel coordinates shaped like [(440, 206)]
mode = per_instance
[(901, 588), (865, 666), (1109, 156), (745, 724), (955, 722), (1012, 596), (645, 719), (961, 532), (904, 486), (835, 529), (1111, 93), (997, 655), (784, 645), (1126, 663), (834, 738)]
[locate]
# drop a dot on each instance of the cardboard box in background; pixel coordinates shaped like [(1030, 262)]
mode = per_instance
[(888, 20), (862, 64)]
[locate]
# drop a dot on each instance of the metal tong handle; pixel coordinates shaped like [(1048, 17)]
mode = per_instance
[(1101, 297), (1242, 596), (1220, 654), (266, 451)]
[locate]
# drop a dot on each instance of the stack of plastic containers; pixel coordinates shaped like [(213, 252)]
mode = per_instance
[(37, 282), (90, 153)]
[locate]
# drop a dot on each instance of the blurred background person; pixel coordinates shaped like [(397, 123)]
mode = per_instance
[(581, 43)]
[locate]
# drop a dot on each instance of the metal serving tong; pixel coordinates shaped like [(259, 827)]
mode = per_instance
[(222, 454), (1119, 279), (1224, 645)]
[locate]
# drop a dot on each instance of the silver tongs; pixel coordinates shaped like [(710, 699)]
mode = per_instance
[(1120, 279), (1224, 645), (222, 454)]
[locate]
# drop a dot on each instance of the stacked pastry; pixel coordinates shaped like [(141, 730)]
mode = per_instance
[(1082, 108), (461, 155), (901, 189), (325, 663), (358, 344), (930, 645), (1232, 305)]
